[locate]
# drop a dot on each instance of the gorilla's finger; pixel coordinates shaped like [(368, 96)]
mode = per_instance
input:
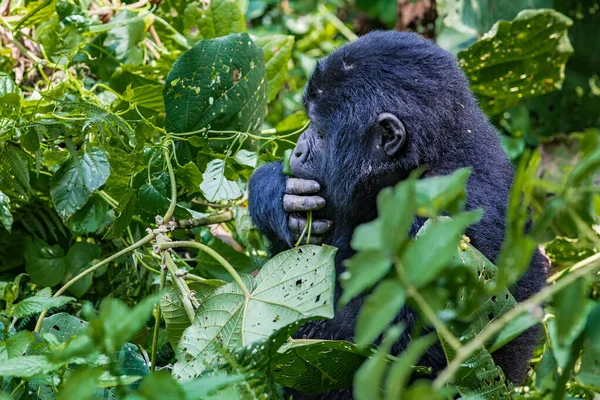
[(319, 226), (293, 203), (301, 186)]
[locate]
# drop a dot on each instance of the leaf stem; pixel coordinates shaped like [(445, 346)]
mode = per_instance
[(186, 293), (580, 269), (163, 278), (236, 277), (173, 203), (93, 268)]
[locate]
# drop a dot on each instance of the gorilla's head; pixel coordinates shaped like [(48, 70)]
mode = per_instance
[(380, 107)]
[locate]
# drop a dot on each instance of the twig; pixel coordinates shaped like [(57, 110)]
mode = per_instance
[(580, 269), (186, 293), (173, 203), (201, 221)]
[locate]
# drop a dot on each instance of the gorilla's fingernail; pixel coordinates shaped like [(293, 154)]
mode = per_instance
[(316, 187), (320, 202)]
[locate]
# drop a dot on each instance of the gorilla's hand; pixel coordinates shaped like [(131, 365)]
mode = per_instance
[(300, 197)]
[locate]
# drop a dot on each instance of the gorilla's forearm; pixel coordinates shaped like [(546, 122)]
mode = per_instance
[(266, 191)]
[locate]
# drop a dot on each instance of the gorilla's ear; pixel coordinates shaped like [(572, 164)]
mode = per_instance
[(393, 133)]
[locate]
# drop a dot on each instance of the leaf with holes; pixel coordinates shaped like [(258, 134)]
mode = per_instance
[(295, 285), (219, 84), (518, 59)]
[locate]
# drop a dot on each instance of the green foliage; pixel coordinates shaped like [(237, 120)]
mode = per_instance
[(128, 135)]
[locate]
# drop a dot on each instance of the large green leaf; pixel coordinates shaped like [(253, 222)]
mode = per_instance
[(295, 285), (278, 51), (219, 84), (45, 264), (479, 375), (315, 366), (36, 304), (63, 326), (79, 257), (76, 181), (518, 59)]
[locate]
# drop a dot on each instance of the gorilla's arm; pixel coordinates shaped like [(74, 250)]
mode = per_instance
[(265, 202)]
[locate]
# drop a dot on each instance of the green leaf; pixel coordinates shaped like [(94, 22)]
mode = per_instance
[(36, 304), (161, 385), (171, 307), (79, 258), (402, 368), (147, 96), (434, 247), (295, 285), (212, 19), (76, 181), (246, 157), (315, 366), (369, 377), (127, 207), (63, 326), (89, 218), (364, 269), (27, 366), (589, 372), (124, 39), (6, 217), (211, 384), (216, 186), (10, 100), (80, 384), (190, 177), (45, 264), (379, 310), (437, 194), (513, 329), (17, 344), (219, 84), (518, 59), (278, 51)]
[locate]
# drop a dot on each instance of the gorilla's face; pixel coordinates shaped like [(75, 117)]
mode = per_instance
[(336, 156)]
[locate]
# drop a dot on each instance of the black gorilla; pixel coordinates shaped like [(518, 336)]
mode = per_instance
[(379, 108)]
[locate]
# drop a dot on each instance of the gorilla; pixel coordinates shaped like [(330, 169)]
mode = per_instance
[(380, 107)]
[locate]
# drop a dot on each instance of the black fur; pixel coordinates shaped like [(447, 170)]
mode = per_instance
[(423, 86)]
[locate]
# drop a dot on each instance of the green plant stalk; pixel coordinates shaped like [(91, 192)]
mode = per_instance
[(234, 274), (439, 326), (185, 291), (209, 220), (173, 202), (163, 278), (580, 269), (561, 383), (309, 218), (335, 21), (139, 243)]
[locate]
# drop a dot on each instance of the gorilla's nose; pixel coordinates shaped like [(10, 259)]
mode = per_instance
[(301, 151)]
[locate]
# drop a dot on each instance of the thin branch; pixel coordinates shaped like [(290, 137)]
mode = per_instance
[(173, 203), (201, 221)]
